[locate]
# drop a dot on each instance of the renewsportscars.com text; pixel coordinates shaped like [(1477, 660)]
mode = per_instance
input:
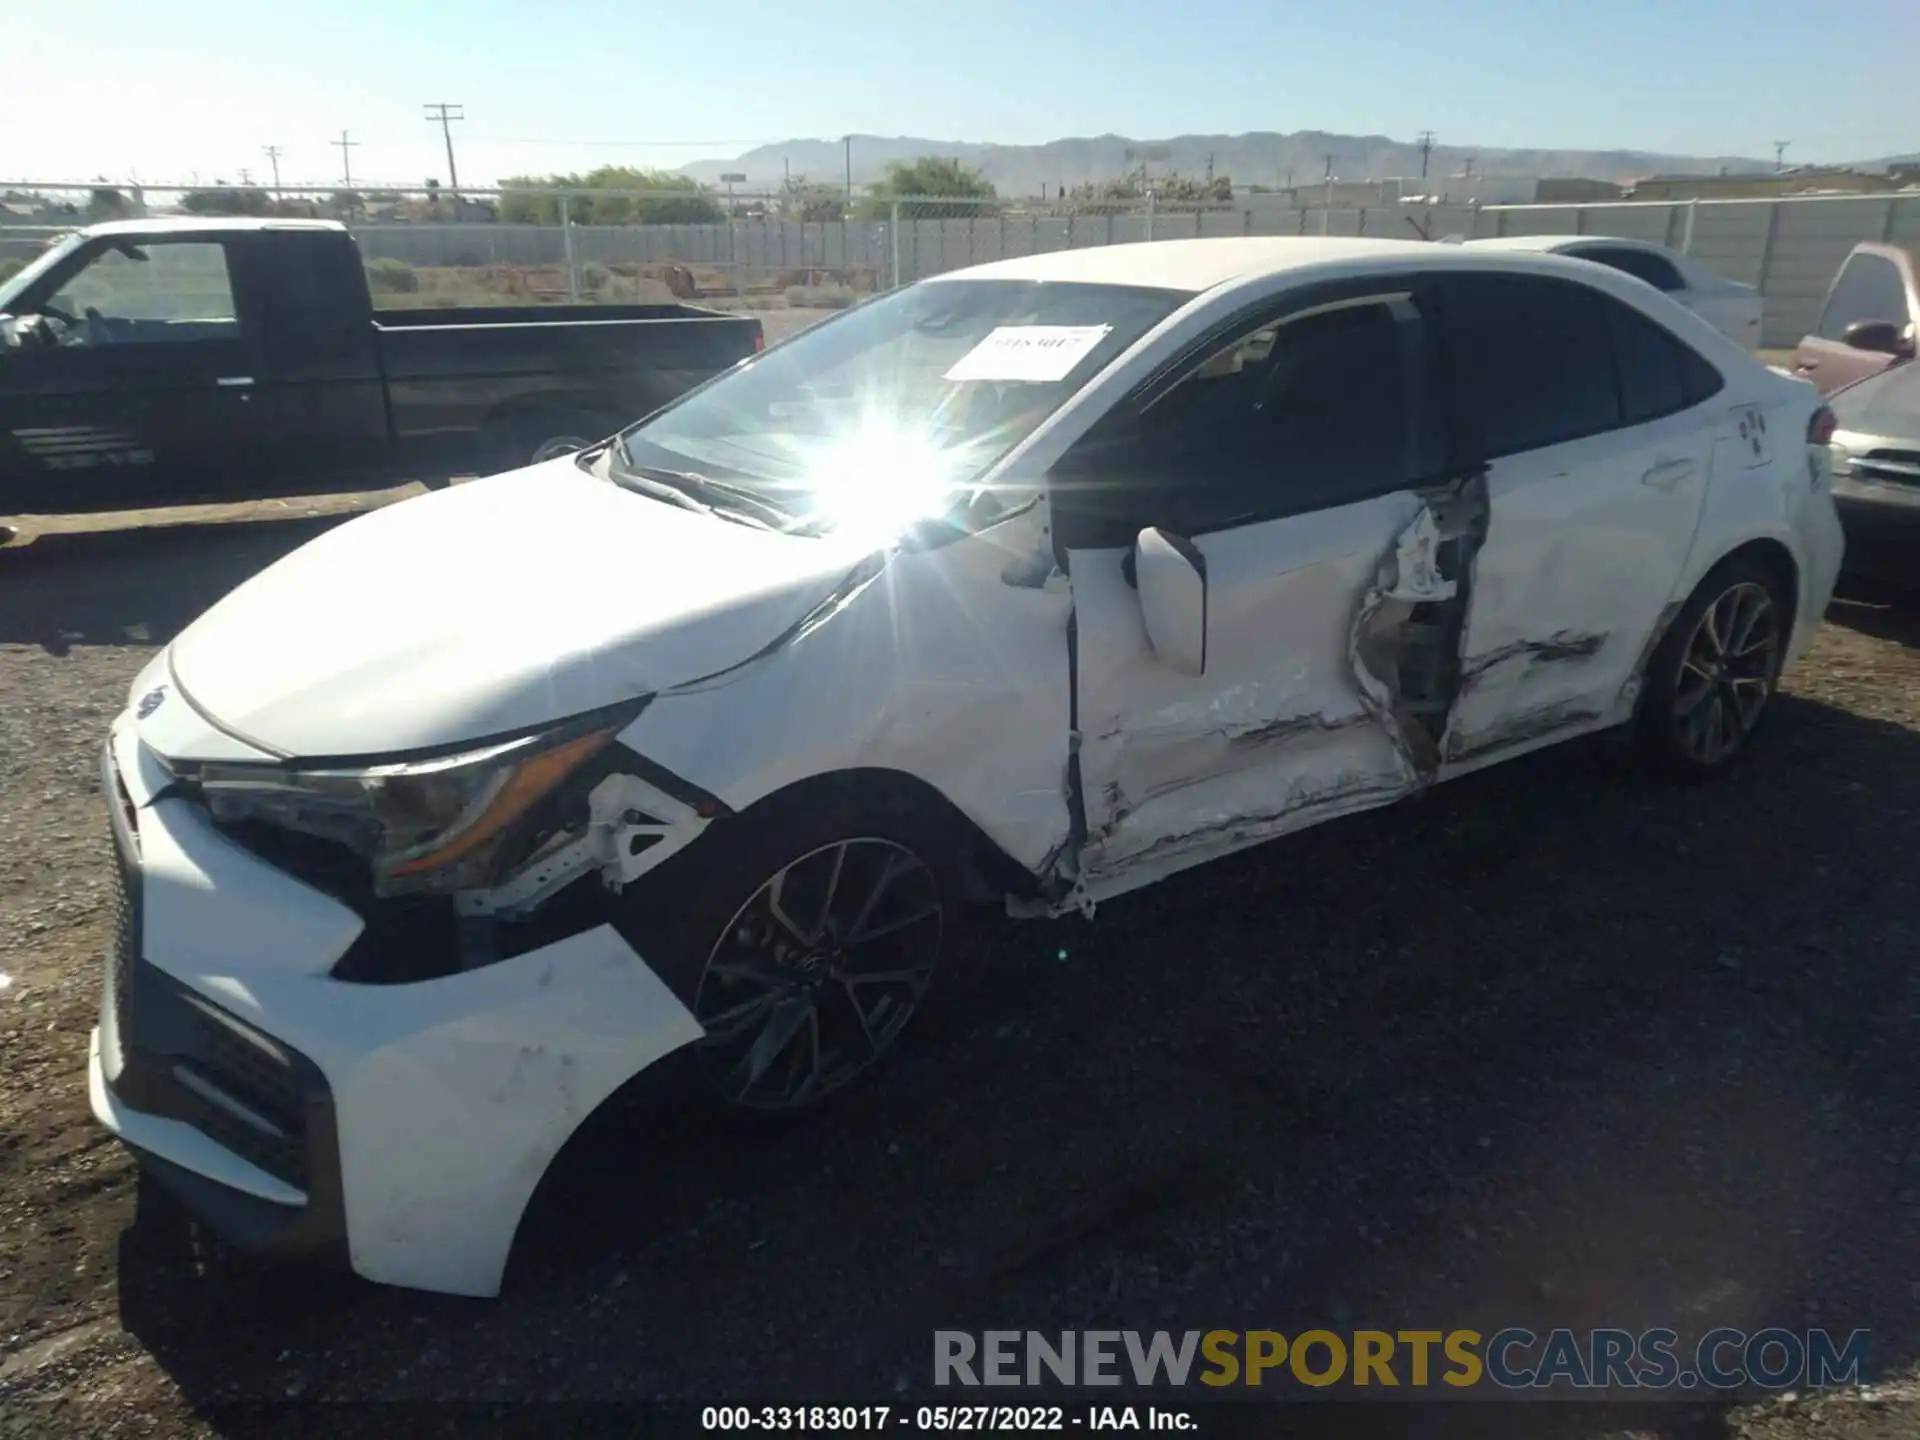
[(1380, 1360)]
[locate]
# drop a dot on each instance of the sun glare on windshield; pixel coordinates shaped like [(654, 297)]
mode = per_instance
[(878, 481)]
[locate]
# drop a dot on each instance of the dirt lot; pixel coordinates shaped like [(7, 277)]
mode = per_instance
[(1549, 1047)]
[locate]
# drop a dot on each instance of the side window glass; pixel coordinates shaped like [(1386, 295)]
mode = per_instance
[(150, 294), (1532, 360), (1659, 373), (1868, 288), (1298, 415)]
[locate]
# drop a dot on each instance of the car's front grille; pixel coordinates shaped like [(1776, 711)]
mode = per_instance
[(182, 1056), (123, 948), (1889, 467), (125, 945)]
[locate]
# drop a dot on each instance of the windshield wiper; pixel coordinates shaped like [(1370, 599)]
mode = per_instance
[(709, 494)]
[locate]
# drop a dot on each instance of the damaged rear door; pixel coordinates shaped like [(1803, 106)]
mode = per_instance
[(1589, 416), (1251, 639)]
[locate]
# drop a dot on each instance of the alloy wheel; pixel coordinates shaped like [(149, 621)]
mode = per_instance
[(557, 446), (1728, 671), (818, 972)]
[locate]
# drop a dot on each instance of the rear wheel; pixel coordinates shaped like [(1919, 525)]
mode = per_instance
[(542, 435), (1713, 675)]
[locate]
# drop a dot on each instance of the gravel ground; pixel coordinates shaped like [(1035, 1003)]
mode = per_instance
[(1548, 1047)]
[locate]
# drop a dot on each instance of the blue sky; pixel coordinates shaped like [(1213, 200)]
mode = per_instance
[(178, 91)]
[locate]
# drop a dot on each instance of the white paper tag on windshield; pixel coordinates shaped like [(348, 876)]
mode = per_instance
[(1032, 353)]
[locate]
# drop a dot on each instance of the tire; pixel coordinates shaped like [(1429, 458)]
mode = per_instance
[(797, 1013), (541, 435), (1712, 678)]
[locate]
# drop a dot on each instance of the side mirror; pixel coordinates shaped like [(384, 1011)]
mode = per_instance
[(1172, 576), (1882, 337)]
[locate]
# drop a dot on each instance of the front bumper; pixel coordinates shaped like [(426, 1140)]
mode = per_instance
[(402, 1128)]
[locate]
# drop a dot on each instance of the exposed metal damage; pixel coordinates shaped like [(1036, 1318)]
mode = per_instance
[(1404, 645)]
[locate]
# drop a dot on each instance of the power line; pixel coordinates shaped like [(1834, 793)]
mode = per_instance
[(272, 152), (1426, 151), (443, 112), (346, 147)]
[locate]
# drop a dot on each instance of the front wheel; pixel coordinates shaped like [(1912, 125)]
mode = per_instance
[(813, 941), (1714, 673)]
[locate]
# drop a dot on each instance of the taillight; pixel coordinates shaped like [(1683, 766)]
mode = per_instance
[(1821, 427), (759, 341)]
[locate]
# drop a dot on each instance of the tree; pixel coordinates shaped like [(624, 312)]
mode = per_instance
[(935, 177), (106, 203), (1170, 190), (801, 199), (668, 198), (228, 200)]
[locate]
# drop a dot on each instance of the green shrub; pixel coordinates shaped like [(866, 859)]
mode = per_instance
[(392, 277), (595, 277)]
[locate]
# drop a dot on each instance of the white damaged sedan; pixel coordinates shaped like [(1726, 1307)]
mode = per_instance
[(1038, 583)]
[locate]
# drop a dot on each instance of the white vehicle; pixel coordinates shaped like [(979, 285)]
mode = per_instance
[(1734, 309), (1037, 582)]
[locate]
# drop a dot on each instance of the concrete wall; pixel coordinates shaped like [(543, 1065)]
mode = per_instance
[(1789, 248)]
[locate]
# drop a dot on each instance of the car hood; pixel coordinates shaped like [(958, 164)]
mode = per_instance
[(492, 606)]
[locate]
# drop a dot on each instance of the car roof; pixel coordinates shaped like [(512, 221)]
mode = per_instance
[(1194, 266), (1189, 265), (203, 224), (1560, 242)]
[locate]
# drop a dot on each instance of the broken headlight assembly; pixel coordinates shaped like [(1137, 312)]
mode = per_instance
[(432, 826)]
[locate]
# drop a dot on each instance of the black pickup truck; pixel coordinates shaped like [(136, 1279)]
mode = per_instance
[(179, 361)]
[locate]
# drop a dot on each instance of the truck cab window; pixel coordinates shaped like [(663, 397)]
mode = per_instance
[(148, 294)]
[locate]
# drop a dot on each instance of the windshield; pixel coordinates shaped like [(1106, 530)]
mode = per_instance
[(889, 414), (42, 263)]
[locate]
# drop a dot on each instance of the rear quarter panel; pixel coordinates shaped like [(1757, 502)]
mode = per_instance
[(1768, 485)]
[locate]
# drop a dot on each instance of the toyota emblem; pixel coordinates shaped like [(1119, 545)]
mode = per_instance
[(150, 702)]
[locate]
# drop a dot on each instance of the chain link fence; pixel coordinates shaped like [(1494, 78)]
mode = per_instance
[(794, 257)]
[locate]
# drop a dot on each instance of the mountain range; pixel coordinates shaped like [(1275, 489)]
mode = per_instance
[(1260, 158)]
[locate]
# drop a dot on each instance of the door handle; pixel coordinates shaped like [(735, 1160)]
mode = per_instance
[(1669, 473), (234, 382)]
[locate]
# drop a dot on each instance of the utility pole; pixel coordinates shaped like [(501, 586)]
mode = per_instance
[(446, 114), (1426, 151), (272, 152), (849, 169), (1780, 155), (346, 148), (1209, 167)]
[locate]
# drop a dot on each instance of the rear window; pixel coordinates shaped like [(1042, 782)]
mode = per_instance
[(1533, 359), (1659, 373)]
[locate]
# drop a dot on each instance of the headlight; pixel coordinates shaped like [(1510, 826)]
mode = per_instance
[(427, 825)]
